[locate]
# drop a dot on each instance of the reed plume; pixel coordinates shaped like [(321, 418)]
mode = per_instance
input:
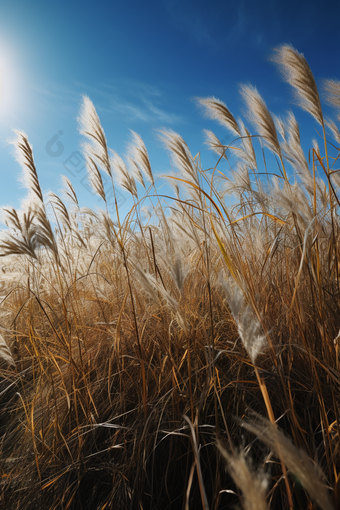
[(293, 151), (252, 484), (217, 110), (124, 178), (180, 154), (296, 460), (261, 118), (102, 363), (214, 143), (139, 154), (334, 130), (33, 230), (94, 175), (70, 191), (332, 89), (91, 128), (61, 209), (298, 74), (134, 168), (24, 156), (248, 152)]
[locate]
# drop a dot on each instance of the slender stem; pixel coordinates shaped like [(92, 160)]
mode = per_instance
[(271, 416)]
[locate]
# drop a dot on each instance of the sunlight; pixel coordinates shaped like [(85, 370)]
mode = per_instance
[(7, 83)]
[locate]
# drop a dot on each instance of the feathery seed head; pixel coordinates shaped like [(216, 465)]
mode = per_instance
[(332, 88), (297, 461), (91, 128), (334, 130), (124, 178), (95, 177), (241, 181), (248, 154), (293, 151), (280, 127), (316, 146), (61, 210), (10, 217), (154, 289), (213, 142), (24, 156), (139, 154), (253, 485), (249, 328), (69, 190), (180, 153), (179, 271), (32, 231), (298, 74), (134, 168), (217, 110), (261, 118)]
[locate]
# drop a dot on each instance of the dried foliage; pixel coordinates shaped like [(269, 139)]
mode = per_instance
[(134, 351)]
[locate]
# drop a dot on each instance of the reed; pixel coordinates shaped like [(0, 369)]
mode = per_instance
[(134, 352)]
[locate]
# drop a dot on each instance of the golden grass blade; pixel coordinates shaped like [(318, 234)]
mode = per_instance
[(271, 216)]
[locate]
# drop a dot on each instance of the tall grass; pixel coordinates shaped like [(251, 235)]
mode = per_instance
[(189, 358)]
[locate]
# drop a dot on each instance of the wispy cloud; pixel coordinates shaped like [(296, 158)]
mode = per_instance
[(54, 90), (134, 101), (136, 88), (129, 100), (148, 112)]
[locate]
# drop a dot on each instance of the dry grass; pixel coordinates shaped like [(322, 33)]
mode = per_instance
[(134, 352)]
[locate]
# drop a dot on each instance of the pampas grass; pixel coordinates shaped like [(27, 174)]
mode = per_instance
[(123, 176), (297, 72), (332, 88), (248, 325), (139, 155), (260, 116), (135, 350), (253, 485), (296, 461), (24, 156), (217, 110)]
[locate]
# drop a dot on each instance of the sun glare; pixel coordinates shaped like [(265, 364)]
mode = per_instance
[(8, 83)]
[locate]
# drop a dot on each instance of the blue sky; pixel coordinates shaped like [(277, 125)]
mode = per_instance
[(142, 63)]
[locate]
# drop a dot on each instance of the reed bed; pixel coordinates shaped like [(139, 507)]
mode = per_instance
[(186, 355)]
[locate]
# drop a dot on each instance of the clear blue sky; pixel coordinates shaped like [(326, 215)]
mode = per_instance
[(141, 63)]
